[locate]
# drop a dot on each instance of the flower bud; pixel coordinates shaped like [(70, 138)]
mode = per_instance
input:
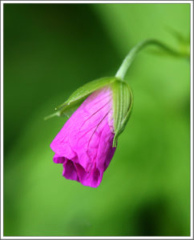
[(87, 142)]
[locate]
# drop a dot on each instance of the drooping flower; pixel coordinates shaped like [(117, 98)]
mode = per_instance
[(87, 142), (84, 144)]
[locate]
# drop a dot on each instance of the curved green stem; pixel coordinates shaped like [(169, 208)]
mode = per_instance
[(133, 52)]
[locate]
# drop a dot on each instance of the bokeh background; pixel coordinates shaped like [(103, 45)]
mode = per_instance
[(49, 51)]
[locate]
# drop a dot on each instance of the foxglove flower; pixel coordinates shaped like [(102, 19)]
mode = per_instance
[(87, 142)]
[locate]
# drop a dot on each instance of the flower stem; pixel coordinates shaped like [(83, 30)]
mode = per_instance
[(133, 52)]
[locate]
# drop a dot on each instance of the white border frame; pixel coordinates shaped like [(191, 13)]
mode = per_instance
[(95, 2), (191, 116)]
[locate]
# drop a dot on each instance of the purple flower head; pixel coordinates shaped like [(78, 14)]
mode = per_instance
[(85, 143)]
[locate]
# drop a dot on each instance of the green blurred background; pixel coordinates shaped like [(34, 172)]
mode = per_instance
[(49, 51)]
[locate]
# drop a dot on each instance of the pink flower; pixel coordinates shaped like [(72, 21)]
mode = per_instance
[(84, 144)]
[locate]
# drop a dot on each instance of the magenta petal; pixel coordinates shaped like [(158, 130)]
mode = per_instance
[(58, 159), (92, 179), (69, 170), (84, 144)]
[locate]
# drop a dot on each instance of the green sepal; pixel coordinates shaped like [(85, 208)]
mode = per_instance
[(77, 97), (122, 106)]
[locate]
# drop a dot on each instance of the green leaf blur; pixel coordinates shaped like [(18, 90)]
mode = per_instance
[(49, 51)]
